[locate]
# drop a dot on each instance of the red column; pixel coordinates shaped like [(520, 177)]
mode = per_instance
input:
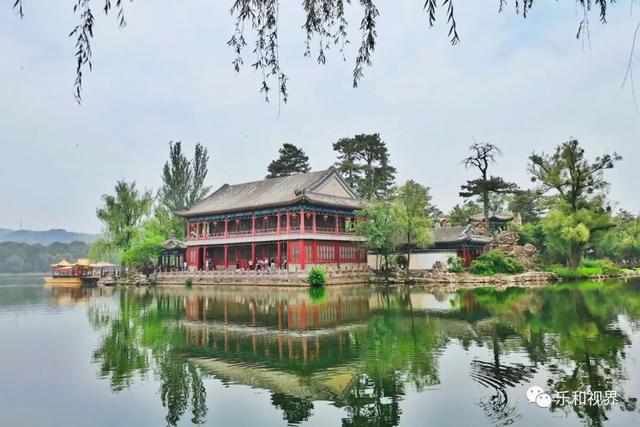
[(303, 253), (226, 251), (204, 258), (253, 253), (279, 252), (337, 256), (301, 220), (278, 223), (288, 223), (226, 227), (253, 224), (314, 252), (313, 222), (337, 223)]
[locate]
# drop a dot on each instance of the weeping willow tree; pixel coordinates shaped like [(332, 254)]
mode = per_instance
[(325, 26)]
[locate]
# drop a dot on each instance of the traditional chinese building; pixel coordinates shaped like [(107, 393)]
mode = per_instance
[(298, 221)]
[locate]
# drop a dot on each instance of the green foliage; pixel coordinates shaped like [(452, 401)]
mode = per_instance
[(586, 269), (460, 214), (26, 258), (104, 250), (410, 215), (568, 232), (183, 179), (376, 222), (145, 248), (363, 161), (528, 203), (317, 277), (122, 213), (455, 264), (579, 186), (188, 282), (620, 243), (570, 174), (292, 160), (494, 262)]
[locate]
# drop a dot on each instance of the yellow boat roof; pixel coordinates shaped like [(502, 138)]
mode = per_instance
[(63, 263), (83, 262)]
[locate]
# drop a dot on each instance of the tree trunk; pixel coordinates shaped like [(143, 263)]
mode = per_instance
[(575, 255), (485, 208)]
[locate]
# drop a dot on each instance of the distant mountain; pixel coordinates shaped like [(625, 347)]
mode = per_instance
[(45, 237)]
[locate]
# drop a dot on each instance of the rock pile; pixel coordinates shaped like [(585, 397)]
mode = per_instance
[(507, 241)]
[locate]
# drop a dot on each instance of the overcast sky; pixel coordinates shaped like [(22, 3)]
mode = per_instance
[(522, 84)]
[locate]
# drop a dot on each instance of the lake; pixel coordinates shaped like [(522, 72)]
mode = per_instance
[(350, 356)]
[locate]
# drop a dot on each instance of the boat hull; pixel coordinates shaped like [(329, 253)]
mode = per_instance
[(63, 281)]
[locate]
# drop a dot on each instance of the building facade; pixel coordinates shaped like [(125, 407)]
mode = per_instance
[(294, 222)]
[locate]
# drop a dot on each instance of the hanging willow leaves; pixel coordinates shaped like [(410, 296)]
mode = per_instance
[(325, 25)]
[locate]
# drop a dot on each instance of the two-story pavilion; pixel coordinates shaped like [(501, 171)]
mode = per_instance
[(299, 220)]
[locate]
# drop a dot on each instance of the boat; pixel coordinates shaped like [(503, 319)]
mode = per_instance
[(65, 273)]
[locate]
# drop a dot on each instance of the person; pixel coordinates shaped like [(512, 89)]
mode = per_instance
[(237, 264), (184, 266), (250, 264), (272, 264), (284, 263)]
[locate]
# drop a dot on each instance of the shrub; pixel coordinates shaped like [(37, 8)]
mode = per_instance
[(317, 277), (188, 282), (455, 264), (605, 266), (494, 262), (587, 268)]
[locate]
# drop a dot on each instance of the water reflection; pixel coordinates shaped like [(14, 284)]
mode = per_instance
[(365, 349)]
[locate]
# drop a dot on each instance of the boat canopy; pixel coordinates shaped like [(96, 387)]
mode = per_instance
[(63, 263), (83, 262)]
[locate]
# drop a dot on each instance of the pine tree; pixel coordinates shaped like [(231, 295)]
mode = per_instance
[(364, 163), (292, 160)]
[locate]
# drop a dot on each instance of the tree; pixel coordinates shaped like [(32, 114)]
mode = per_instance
[(363, 161), (622, 242), (483, 155), (579, 187), (292, 160), (377, 223), (325, 21), (460, 214), (183, 179), (123, 212), (146, 247), (527, 203), (410, 214)]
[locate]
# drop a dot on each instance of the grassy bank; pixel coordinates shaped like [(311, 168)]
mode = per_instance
[(590, 268)]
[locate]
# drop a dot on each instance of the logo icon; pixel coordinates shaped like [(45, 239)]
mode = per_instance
[(537, 395)]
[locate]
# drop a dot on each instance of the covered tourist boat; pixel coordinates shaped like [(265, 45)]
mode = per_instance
[(65, 273)]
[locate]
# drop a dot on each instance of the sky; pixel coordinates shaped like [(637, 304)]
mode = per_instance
[(523, 84)]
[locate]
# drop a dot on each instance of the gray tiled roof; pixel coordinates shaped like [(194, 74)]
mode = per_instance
[(495, 216), (271, 192), (458, 234)]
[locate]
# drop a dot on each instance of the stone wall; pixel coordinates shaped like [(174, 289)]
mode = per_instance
[(443, 277), (258, 278)]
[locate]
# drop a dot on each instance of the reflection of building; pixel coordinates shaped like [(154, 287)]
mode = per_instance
[(303, 219), (279, 340)]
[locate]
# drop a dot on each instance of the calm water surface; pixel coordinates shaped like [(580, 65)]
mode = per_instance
[(345, 356)]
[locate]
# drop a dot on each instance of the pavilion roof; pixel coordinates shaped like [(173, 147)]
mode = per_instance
[(459, 234), (321, 187), (173, 244)]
